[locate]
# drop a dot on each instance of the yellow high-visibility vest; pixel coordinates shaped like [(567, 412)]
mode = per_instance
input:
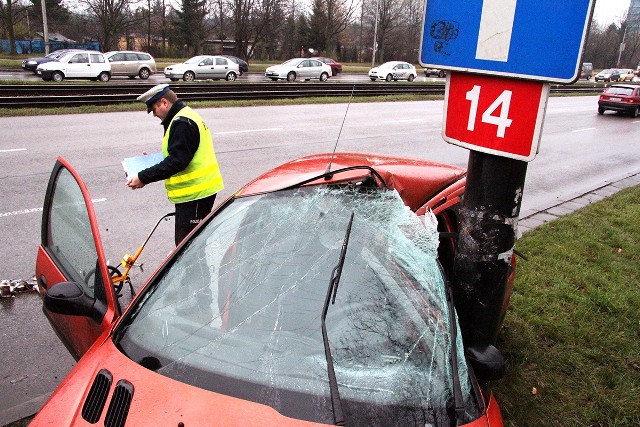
[(202, 176)]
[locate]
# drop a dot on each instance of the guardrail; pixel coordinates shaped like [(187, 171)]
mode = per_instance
[(74, 95)]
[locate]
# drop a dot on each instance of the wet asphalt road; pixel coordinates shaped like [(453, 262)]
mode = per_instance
[(579, 151)]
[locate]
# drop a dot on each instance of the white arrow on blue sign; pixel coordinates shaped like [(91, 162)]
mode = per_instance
[(537, 40)]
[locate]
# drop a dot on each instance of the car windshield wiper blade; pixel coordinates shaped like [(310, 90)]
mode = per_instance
[(338, 416)]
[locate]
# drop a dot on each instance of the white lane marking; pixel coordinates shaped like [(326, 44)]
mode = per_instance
[(247, 131), (32, 210), (582, 130), (636, 121), (12, 150), (496, 26)]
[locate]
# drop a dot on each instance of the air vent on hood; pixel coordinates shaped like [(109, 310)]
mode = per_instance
[(93, 406), (119, 405)]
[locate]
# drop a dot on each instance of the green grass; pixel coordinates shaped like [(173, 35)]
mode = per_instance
[(572, 331)]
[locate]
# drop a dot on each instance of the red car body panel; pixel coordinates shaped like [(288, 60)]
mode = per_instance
[(159, 400)]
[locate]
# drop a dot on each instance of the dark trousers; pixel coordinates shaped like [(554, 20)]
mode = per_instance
[(189, 214)]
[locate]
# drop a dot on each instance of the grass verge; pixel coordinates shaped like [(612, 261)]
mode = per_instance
[(572, 334)]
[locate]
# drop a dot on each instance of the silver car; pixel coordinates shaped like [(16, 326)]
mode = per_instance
[(203, 67), (299, 68), (131, 64)]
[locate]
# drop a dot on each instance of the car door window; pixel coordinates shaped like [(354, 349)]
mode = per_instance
[(80, 58), (97, 58), (117, 57), (131, 57), (70, 240), (207, 61)]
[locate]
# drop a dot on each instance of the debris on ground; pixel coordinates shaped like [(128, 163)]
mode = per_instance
[(9, 288)]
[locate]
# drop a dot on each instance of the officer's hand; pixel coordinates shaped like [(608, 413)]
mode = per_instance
[(134, 182)]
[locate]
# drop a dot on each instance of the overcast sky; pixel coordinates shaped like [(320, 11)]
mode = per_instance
[(608, 11)]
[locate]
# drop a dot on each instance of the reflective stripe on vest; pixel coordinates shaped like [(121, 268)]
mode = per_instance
[(202, 177)]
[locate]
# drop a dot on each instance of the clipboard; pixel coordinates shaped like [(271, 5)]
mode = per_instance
[(133, 165)]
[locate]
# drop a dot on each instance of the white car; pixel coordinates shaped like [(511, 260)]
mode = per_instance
[(203, 67), (79, 64), (393, 70), (299, 68)]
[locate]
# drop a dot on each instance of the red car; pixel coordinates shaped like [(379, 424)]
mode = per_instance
[(336, 67), (315, 295), (620, 97)]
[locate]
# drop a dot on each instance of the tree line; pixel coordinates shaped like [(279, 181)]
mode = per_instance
[(263, 29)]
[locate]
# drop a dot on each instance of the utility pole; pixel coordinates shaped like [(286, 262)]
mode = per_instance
[(45, 28), (375, 36)]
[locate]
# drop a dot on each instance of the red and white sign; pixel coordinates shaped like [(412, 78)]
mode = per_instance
[(494, 115)]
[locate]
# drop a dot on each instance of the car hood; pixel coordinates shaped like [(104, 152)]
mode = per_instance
[(154, 399), (51, 65), (179, 66), (280, 68)]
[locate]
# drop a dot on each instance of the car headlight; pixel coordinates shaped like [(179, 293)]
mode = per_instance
[(31, 62)]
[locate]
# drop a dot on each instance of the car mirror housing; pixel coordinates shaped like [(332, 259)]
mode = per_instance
[(487, 362), (69, 298)]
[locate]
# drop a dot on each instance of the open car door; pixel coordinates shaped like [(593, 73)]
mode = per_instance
[(71, 270)]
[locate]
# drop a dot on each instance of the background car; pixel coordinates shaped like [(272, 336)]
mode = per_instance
[(620, 97), (242, 64), (393, 70), (434, 72), (325, 276), (31, 64), (203, 67), (336, 67), (79, 64), (626, 74), (131, 64), (608, 75), (299, 68)]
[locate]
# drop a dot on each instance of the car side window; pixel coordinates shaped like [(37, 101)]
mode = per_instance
[(96, 58), (221, 61), (207, 61), (70, 240), (117, 57), (80, 58), (130, 57), (143, 57)]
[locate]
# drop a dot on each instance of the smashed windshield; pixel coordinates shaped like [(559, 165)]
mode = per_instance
[(239, 310)]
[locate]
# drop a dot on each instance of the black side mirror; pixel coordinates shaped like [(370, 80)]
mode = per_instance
[(69, 298), (487, 362)]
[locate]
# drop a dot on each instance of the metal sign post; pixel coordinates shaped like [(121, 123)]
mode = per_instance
[(501, 55)]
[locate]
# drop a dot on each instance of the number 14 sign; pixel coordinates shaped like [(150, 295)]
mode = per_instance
[(495, 115)]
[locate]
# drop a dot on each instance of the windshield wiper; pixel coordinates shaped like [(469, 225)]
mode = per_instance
[(336, 404)]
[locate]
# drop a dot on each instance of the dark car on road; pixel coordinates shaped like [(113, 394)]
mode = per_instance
[(317, 294), (336, 67), (242, 64), (620, 97), (31, 64)]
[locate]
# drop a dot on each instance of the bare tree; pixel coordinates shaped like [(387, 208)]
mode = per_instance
[(10, 14), (113, 18)]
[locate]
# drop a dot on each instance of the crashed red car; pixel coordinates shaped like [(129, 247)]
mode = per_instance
[(315, 295)]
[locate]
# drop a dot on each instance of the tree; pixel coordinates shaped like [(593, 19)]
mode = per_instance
[(190, 25), (10, 13), (112, 18)]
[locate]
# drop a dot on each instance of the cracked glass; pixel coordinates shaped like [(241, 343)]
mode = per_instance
[(238, 311)]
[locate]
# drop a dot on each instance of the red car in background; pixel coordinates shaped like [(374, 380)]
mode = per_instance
[(314, 295), (336, 67), (624, 98)]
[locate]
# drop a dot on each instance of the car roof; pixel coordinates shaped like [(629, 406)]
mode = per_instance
[(629, 86), (415, 180)]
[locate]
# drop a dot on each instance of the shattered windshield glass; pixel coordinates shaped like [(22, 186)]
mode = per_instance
[(239, 310)]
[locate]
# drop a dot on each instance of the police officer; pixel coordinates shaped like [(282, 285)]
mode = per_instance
[(190, 169)]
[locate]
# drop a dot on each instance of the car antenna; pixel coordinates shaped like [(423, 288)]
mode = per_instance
[(328, 175)]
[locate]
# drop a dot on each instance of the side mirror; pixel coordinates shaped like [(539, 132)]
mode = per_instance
[(69, 298), (487, 362)]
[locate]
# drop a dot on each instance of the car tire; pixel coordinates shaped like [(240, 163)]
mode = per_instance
[(189, 76), (600, 110), (144, 73), (324, 77), (334, 72), (174, 80), (411, 77), (389, 77), (636, 112), (231, 76), (291, 76), (57, 76), (274, 79), (104, 77)]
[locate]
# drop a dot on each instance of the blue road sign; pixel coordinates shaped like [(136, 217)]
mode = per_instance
[(537, 40)]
